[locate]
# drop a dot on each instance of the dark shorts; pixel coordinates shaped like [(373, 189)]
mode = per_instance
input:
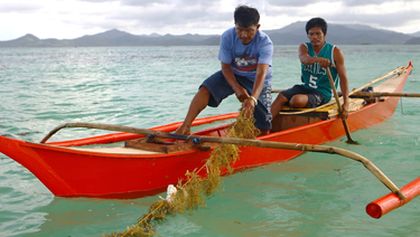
[(315, 98), (219, 89)]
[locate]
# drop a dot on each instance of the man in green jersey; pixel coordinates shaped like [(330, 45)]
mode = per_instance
[(315, 56)]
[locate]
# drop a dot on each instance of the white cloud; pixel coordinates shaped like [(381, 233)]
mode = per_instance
[(74, 18)]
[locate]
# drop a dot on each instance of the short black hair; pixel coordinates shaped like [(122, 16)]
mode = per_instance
[(317, 22), (246, 16)]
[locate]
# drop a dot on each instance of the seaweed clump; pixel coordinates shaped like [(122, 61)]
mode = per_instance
[(199, 183)]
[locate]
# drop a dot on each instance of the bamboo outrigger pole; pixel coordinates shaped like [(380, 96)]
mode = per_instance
[(241, 142), (376, 209), (361, 94)]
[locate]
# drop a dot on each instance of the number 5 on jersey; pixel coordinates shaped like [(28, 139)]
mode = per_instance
[(313, 81)]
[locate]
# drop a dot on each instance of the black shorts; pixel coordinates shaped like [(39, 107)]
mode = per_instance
[(219, 89), (315, 98)]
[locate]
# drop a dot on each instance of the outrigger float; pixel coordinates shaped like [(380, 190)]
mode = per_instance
[(133, 163)]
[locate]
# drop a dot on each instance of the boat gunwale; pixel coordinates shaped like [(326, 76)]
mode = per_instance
[(98, 153)]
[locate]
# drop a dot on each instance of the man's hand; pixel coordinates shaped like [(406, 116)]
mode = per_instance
[(323, 62), (345, 110), (249, 106), (241, 94)]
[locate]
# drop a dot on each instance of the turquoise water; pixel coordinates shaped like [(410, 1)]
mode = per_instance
[(313, 195)]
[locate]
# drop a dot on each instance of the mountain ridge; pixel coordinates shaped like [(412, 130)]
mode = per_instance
[(415, 34), (291, 34)]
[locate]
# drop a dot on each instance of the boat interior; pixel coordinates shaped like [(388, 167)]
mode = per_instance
[(289, 118)]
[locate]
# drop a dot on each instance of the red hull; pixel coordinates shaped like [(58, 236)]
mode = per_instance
[(68, 172)]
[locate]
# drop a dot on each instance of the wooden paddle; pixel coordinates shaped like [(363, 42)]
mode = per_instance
[(241, 142), (340, 109)]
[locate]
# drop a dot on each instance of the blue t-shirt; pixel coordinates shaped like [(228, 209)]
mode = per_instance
[(245, 58)]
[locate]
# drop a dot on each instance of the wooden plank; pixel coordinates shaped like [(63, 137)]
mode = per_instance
[(116, 150), (163, 146), (285, 121)]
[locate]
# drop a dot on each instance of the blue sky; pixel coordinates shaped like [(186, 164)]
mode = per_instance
[(67, 19)]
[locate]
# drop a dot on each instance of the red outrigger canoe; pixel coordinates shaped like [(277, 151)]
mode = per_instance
[(130, 165)]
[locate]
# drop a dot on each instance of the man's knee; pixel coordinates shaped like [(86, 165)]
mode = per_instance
[(298, 101), (203, 89), (203, 92)]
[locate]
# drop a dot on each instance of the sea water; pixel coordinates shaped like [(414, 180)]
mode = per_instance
[(313, 195)]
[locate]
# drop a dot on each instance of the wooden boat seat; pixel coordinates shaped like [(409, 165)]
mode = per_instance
[(286, 121), (161, 146), (294, 117), (354, 105), (330, 108)]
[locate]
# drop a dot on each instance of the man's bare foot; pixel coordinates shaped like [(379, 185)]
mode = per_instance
[(183, 130)]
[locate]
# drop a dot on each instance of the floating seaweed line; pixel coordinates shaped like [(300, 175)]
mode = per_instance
[(191, 194)]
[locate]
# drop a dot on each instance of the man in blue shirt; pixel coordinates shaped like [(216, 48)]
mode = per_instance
[(315, 56), (246, 57)]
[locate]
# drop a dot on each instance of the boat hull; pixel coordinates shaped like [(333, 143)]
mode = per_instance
[(69, 172)]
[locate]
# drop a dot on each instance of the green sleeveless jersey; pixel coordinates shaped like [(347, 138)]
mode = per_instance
[(314, 76)]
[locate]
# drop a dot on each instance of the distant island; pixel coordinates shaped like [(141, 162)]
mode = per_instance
[(292, 34)]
